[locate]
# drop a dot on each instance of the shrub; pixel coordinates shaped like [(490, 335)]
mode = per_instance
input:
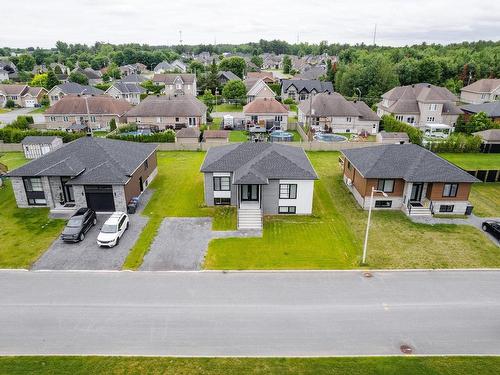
[(10, 103), (112, 124), (390, 124), (168, 136), (457, 142), (45, 102), (11, 134), (132, 127), (289, 101)]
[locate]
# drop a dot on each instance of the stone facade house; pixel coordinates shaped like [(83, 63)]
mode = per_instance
[(258, 89), (177, 84), (482, 91), (98, 173)]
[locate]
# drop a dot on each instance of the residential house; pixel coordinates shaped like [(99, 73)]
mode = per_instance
[(266, 112), (98, 173), (62, 78), (258, 89), (420, 105), (300, 90), (392, 137), (267, 77), (492, 110), (10, 68), (94, 77), (33, 96), (415, 180), (21, 95), (64, 69), (482, 91), (331, 112), (226, 76), (163, 67), (71, 88), (130, 92), (188, 135), (4, 75), (164, 112), (94, 112), (179, 66), (259, 178), (315, 72), (216, 136), (490, 141), (271, 61), (37, 146), (133, 78), (176, 84)]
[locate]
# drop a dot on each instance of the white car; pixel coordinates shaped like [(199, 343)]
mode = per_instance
[(113, 229)]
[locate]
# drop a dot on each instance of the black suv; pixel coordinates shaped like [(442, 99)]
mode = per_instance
[(492, 227), (79, 224)]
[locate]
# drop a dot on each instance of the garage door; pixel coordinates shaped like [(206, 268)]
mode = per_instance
[(100, 198), (30, 103)]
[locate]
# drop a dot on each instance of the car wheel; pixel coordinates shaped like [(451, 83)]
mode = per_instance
[(485, 228), (94, 222), (128, 222), (82, 237), (117, 241)]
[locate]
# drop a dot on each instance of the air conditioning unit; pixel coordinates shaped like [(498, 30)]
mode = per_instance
[(348, 182)]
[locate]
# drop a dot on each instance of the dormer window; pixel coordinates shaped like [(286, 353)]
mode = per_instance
[(433, 107)]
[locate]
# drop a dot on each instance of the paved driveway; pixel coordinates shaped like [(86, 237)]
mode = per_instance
[(8, 117), (181, 244)]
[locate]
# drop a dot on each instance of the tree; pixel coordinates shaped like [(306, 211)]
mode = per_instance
[(429, 71), (234, 90), (196, 67), (114, 71), (78, 77), (257, 60), (112, 124), (10, 103), (209, 100), (51, 80), (26, 62), (331, 69), (210, 81), (58, 70), (478, 122), (39, 80), (152, 88), (408, 71), (233, 64), (287, 64)]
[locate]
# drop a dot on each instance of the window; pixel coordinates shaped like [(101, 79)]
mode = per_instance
[(92, 118), (387, 186), (349, 165), (177, 119), (450, 190), (221, 184), (178, 86), (446, 208), (349, 119), (255, 118), (158, 120), (430, 119), (383, 204), (146, 164), (192, 121), (433, 107), (287, 209), (399, 117), (484, 96), (34, 191), (65, 118), (222, 201), (410, 120), (53, 118), (288, 191), (278, 118)]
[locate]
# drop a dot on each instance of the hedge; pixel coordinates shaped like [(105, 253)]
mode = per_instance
[(13, 135), (390, 124), (456, 142), (167, 136)]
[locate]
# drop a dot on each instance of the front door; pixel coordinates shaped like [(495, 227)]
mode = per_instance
[(68, 193), (416, 192), (141, 184), (249, 193)]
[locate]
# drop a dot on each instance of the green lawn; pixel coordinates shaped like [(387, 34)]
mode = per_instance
[(179, 193), (4, 110), (39, 110), (333, 237), (225, 107), (485, 197), (474, 161), (25, 233), (215, 124), (238, 136), (256, 366), (100, 133)]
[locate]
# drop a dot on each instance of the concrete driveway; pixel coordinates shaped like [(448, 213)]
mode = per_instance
[(8, 117), (181, 244)]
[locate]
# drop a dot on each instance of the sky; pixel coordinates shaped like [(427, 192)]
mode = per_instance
[(158, 22)]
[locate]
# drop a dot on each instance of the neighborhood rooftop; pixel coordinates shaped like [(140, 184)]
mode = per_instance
[(38, 139), (410, 162), (257, 163), (90, 160), (168, 106), (307, 85), (101, 104), (491, 109)]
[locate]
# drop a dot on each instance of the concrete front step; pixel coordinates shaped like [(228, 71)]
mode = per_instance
[(250, 218)]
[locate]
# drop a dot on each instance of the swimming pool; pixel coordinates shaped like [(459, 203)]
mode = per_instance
[(281, 136), (326, 137)]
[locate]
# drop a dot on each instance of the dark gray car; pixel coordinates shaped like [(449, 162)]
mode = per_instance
[(79, 224)]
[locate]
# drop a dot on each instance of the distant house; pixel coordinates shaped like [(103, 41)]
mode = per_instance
[(482, 91), (490, 140), (273, 62), (98, 173), (226, 76), (215, 136), (420, 105), (133, 78), (259, 178), (94, 112), (36, 146), (130, 92), (21, 95), (188, 135), (71, 88), (267, 77), (177, 84), (415, 180), (311, 73), (163, 67), (4, 75), (492, 110), (179, 66), (392, 137), (165, 112), (266, 111), (94, 77), (33, 96), (301, 89), (258, 89), (333, 113)]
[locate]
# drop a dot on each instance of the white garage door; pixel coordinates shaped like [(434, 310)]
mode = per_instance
[(30, 103)]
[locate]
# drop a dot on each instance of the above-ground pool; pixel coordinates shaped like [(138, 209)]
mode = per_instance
[(281, 136), (327, 137)]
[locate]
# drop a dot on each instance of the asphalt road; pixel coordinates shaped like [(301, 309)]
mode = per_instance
[(8, 117), (250, 313)]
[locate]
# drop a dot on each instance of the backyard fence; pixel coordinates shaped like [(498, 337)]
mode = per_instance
[(491, 175)]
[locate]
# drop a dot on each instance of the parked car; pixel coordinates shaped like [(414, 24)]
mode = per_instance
[(493, 227), (113, 229), (78, 225)]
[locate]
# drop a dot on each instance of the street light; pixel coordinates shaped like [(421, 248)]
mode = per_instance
[(363, 261), (358, 90)]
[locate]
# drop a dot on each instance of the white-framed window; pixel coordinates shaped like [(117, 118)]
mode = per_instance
[(278, 118), (222, 183), (65, 118), (349, 119), (178, 86), (430, 118), (192, 121), (53, 118), (287, 209), (433, 107), (410, 119), (484, 96), (450, 190), (399, 117), (92, 118), (288, 191)]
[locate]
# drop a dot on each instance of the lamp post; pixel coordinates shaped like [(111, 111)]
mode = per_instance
[(216, 93), (359, 91), (363, 260)]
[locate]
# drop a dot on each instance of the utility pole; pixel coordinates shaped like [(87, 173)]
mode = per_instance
[(375, 35), (180, 37)]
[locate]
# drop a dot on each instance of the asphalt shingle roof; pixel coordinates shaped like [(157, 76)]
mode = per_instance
[(410, 162), (307, 85), (229, 75), (97, 105), (90, 161), (168, 106), (257, 163), (76, 88), (491, 109), (483, 85), (38, 139)]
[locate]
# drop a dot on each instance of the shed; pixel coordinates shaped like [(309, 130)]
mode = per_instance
[(490, 140), (216, 136), (188, 135), (393, 137), (36, 146)]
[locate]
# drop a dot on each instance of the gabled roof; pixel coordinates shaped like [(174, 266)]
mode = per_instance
[(77, 89), (491, 109), (222, 134), (89, 73), (9, 89), (35, 91), (307, 85), (127, 88), (229, 75), (409, 162), (94, 105), (257, 163), (133, 78), (39, 139), (90, 161), (164, 65), (254, 87), (168, 106), (490, 135), (486, 85), (265, 105), (190, 132), (169, 78)]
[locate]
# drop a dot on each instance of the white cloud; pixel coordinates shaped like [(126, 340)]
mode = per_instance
[(158, 22)]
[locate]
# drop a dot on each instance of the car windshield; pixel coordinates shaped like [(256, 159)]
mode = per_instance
[(75, 222), (109, 228)]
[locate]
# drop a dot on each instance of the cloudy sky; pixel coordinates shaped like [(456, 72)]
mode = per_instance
[(158, 22)]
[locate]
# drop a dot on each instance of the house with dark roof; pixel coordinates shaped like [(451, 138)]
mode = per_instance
[(482, 91), (99, 173), (94, 76), (258, 89), (420, 105), (314, 72), (36, 146), (490, 140), (188, 135), (264, 111), (331, 112), (177, 84), (492, 110), (71, 88), (300, 89), (226, 76), (259, 178), (133, 78), (165, 111), (130, 92), (412, 179)]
